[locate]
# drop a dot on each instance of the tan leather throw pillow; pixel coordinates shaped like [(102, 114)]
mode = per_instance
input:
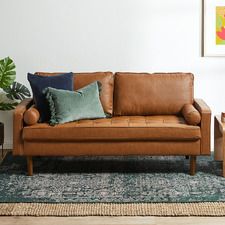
[(31, 116), (191, 114)]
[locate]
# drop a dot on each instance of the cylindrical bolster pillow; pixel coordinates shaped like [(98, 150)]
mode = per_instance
[(191, 114), (31, 116)]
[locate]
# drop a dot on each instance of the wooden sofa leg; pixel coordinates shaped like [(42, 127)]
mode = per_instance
[(192, 165), (30, 165)]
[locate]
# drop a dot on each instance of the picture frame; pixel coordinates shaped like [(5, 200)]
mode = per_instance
[(213, 27)]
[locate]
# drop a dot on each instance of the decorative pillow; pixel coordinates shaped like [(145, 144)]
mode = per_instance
[(191, 114), (31, 116), (39, 83), (66, 106)]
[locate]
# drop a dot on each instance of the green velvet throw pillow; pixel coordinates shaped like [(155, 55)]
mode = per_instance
[(66, 106)]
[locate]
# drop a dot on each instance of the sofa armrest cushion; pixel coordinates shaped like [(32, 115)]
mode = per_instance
[(18, 125), (205, 112), (191, 114), (31, 116)]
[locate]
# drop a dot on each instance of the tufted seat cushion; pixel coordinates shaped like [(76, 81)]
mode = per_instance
[(132, 128)]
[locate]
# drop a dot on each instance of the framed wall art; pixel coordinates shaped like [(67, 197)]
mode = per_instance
[(213, 27)]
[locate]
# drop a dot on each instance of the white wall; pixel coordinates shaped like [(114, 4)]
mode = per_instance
[(115, 35)]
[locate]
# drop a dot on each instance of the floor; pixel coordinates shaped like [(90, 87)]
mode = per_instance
[(96, 220)]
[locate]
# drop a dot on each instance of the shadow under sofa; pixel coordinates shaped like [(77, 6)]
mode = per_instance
[(147, 118)]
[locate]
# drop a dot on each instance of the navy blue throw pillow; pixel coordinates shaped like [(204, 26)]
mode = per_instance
[(38, 83)]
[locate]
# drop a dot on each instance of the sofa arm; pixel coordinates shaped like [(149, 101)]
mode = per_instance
[(205, 112), (18, 125)]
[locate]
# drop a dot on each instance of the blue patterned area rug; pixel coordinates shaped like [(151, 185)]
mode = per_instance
[(111, 180)]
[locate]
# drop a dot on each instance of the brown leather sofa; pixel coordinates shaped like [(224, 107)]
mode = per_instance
[(147, 119)]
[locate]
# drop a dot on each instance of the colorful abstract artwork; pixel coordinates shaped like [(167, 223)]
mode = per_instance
[(220, 25), (213, 28)]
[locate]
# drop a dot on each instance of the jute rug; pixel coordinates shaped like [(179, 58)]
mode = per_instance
[(110, 209), (111, 186)]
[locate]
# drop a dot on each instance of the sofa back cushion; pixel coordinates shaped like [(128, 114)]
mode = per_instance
[(83, 79), (152, 94)]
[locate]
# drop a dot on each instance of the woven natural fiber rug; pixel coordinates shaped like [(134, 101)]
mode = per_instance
[(110, 209), (111, 186)]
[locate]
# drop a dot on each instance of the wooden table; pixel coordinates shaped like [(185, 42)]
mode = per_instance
[(219, 141)]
